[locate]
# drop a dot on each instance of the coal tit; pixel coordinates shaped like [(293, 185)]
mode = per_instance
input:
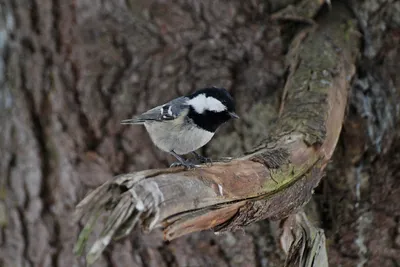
[(187, 123)]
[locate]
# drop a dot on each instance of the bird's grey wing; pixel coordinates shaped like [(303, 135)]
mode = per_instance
[(168, 111)]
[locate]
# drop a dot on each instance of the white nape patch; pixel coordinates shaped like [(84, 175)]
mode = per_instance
[(201, 103)]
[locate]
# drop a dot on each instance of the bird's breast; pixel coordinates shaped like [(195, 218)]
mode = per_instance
[(178, 136)]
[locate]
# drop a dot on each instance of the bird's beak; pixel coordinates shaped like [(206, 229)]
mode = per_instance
[(234, 115)]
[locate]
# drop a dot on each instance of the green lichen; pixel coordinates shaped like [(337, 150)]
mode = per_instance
[(3, 215), (85, 233)]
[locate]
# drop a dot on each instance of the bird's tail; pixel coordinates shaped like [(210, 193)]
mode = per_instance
[(133, 121)]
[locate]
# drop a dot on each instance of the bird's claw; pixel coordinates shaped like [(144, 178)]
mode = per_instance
[(205, 160), (202, 159), (187, 165)]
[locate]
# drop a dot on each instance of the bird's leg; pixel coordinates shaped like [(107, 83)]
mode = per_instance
[(182, 162), (201, 158)]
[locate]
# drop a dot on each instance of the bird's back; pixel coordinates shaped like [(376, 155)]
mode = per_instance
[(166, 112)]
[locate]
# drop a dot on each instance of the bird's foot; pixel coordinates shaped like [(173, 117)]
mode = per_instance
[(188, 165), (205, 160), (202, 159)]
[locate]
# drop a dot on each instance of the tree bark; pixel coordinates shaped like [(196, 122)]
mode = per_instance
[(72, 70)]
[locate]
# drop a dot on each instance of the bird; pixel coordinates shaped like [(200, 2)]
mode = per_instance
[(187, 123)]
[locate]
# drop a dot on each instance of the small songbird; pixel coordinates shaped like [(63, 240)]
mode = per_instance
[(187, 123)]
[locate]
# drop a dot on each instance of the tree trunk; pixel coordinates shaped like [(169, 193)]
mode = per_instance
[(72, 70)]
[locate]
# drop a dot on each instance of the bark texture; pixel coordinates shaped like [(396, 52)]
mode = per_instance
[(71, 70)]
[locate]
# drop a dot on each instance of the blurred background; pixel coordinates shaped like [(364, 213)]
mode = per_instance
[(70, 71)]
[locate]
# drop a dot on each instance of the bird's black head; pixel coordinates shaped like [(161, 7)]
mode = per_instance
[(211, 107)]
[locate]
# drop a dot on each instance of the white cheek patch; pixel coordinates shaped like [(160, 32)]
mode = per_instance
[(201, 103)]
